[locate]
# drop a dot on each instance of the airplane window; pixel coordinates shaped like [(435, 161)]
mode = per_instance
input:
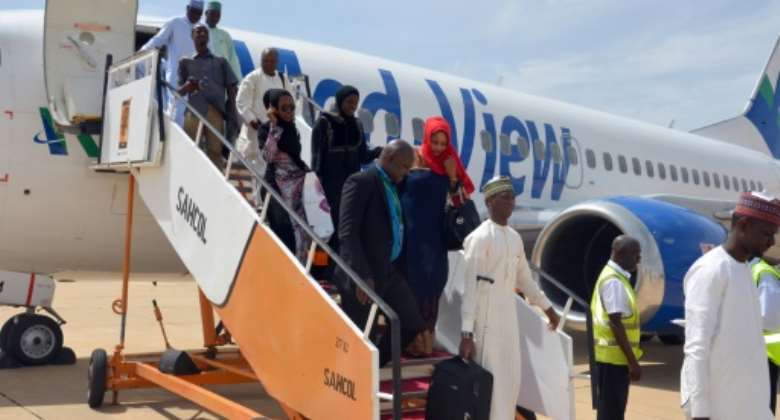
[(705, 176), (622, 163), (752, 185), (716, 180), (504, 142), (649, 168), (637, 166), (367, 119), (523, 145), (538, 150), (684, 174), (487, 141), (418, 128), (607, 161), (744, 185), (726, 182), (673, 172), (735, 183), (392, 125), (760, 186), (661, 170), (591, 158), (695, 174), (556, 153), (571, 153)]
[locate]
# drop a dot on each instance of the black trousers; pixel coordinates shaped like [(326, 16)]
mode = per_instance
[(400, 298), (612, 396), (773, 370), (333, 196)]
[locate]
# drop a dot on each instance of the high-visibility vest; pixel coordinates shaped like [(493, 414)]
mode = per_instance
[(772, 338), (606, 347)]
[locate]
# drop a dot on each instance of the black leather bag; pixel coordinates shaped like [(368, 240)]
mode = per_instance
[(459, 223), (459, 390)]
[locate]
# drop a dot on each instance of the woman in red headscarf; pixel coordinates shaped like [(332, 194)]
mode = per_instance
[(438, 175)]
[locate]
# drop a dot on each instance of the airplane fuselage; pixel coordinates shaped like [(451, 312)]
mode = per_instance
[(57, 214)]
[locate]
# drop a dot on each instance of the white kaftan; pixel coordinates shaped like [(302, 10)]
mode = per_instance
[(176, 37), (724, 374), (496, 252)]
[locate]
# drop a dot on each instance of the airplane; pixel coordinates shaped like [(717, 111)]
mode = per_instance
[(581, 176)]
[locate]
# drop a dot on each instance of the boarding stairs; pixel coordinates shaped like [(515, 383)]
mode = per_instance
[(291, 333)]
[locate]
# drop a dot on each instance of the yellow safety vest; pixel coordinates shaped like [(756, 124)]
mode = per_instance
[(772, 338), (606, 347)]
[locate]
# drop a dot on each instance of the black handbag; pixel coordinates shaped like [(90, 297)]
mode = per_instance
[(459, 222)]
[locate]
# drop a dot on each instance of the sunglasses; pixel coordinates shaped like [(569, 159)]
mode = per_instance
[(287, 108)]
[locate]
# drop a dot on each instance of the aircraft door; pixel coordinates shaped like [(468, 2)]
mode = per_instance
[(78, 35)]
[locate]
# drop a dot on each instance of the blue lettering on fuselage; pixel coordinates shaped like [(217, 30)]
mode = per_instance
[(550, 156)]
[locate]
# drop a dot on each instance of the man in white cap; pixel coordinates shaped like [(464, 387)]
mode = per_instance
[(724, 373), (496, 267), (176, 37)]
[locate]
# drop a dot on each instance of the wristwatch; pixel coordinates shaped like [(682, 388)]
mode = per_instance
[(467, 335)]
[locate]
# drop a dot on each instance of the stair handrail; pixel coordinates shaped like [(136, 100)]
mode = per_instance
[(377, 301), (588, 325)]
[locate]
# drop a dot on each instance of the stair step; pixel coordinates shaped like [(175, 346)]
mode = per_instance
[(237, 165), (240, 177), (414, 413), (432, 359), (411, 388)]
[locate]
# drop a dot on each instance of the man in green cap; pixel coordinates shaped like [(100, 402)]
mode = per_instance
[(221, 44)]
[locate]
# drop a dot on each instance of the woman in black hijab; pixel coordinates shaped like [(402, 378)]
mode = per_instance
[(338, 150), (286, 171)]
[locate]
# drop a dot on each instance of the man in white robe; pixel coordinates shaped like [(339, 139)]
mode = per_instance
[(495, 268), (176, 37), (724, 374)]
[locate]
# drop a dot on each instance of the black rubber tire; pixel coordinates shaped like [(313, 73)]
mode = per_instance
[(19, 338), (672, 339), (97, 378), (5, 332)]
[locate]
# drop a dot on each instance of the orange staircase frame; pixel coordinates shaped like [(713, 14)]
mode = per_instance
[(141, 370)]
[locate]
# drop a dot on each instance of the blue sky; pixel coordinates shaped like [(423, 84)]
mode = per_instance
[(693, 61)]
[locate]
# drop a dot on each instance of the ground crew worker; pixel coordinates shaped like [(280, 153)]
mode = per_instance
[(767, 280), (616, 329)]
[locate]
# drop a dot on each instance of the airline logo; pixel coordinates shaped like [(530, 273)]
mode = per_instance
[(548, 149), (55, 140), (764, 114)]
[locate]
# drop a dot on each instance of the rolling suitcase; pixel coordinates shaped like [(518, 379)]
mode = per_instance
[(459, 391)]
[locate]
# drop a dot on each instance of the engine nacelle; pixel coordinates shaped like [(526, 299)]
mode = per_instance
[(575, 246)]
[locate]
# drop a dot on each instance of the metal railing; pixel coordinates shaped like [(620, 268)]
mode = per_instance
[(377, 302), (588, 325)]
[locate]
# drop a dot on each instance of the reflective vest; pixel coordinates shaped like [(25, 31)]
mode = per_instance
[(772, 338), (606, 347)]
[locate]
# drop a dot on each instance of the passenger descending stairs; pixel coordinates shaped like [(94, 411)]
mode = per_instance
[(308, 355)]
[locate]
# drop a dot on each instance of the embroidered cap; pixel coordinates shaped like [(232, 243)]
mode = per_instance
[(759, 206), (214, 5), (497, 185), (196, 4)]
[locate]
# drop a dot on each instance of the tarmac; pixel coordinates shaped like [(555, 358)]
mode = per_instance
[(84, 300)]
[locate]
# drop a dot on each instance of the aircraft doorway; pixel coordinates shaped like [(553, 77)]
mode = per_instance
[(78, 36)]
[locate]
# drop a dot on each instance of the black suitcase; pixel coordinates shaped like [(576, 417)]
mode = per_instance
[(459, 391)]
